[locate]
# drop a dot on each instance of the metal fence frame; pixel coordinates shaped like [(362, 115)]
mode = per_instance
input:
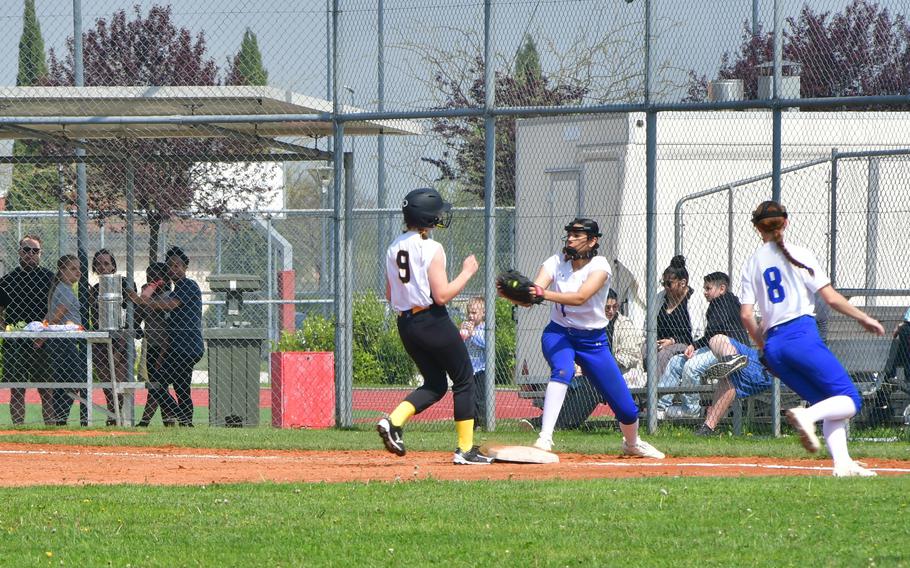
[(343, 212)]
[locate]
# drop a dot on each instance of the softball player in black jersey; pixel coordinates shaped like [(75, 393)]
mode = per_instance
[(418, 288)]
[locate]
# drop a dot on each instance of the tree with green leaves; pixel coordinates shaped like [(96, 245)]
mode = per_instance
[(32, 187), (247, 68), (463, 157)]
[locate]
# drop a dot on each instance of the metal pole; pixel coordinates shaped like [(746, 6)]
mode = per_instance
[(128, 413), (873, 213), (269, 281), (651, 274), (832, 253), (777, 127), (776, 140), (81, 189), (219, 237), (754, 18), (650, 230), (347, 387), (729, 231), (61, 218), (489, 213), (343, 351), (329, 51), (381, 198)]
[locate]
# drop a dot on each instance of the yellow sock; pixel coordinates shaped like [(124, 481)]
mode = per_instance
[(402, 414), (465, 431)]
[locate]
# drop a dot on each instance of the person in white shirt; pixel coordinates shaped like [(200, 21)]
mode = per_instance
[(418, 288), (781, 280), (577, 281)]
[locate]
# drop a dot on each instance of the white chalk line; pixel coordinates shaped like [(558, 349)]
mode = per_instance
[(656, 464), (232, 457), (311, 459)]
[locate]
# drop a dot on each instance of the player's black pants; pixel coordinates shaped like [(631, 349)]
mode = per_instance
[(433, 342)]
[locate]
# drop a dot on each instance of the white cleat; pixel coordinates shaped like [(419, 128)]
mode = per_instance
[(804, 427), (545, 444), (642, 450), (852, 469)]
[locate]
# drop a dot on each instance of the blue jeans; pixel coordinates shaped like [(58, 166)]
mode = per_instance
[(682, 372)]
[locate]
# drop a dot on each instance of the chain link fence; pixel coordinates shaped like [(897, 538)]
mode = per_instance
[(271, 142)]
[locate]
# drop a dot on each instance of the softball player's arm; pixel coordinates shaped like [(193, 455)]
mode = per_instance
[(838, 303), (440, 287), (589, 287), (544, 278), (747, 315)]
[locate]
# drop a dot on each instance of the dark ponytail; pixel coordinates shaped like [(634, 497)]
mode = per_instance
[(769, 218), (677, 269)]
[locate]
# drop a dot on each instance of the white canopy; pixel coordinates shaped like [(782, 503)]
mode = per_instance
[(116, 112)]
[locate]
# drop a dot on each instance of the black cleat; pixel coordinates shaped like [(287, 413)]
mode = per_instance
[(724, 367), (471, 457), (705, 431), (391, 437)]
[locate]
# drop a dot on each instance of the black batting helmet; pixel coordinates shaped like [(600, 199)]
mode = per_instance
[(584, 225), (424, 207)]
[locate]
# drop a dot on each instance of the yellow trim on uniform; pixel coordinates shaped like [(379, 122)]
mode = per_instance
[(402, 414), (465, 431)]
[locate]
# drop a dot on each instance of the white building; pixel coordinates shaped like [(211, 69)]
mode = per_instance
[(594, 166)]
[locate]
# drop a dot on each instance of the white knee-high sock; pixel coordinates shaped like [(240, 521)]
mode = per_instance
[(835, 432), (835, 408), (552, 404), (629, 432)]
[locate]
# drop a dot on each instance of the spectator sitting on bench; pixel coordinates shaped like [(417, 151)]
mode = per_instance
[(739, 374), (899, 353), (626, 342), (581, 399), (686, 370)]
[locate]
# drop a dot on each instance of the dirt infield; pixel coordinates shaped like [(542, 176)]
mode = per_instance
[(50, 464)]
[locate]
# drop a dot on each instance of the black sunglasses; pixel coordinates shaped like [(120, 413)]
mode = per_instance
[(30, 249), (667, 283)]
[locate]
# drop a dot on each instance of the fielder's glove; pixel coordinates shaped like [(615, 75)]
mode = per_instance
[(518, 288)]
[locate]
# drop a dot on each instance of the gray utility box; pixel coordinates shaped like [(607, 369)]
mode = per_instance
[(235, 357)]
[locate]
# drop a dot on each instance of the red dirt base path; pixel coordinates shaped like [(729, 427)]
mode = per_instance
[(51, 464)]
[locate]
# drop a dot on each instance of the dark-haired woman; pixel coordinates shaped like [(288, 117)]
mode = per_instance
[(674, 320), (577, 281), (782, 281)]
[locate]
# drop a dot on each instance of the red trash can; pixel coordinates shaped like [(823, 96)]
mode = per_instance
[(303, 389)]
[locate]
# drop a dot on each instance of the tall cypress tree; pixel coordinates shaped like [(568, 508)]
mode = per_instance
[(527, 63), (32, 63), (246, 68), (32, 187)]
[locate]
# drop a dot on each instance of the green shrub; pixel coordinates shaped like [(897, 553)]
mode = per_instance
[(505, 342), (378, 355)]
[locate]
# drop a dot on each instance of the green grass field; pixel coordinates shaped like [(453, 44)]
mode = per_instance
[(639, 522), (771, 521)]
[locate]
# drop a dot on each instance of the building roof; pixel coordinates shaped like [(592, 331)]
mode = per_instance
[(164, 112)]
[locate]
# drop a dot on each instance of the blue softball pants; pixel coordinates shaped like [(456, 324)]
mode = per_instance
[(796, 353), (563, 346)]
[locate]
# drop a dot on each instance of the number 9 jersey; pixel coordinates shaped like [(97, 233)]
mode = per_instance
[(407, 266), (781, 290)]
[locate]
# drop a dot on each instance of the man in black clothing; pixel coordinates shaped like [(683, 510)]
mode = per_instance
[(24, 294)]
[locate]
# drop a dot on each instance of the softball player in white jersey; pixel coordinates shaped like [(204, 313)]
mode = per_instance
[(577, 282), (418, 289), (782, 281)]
